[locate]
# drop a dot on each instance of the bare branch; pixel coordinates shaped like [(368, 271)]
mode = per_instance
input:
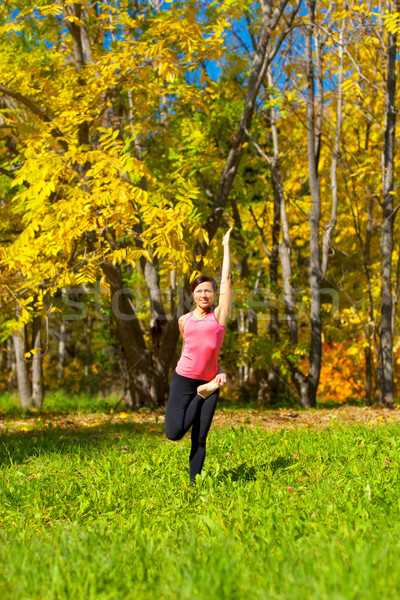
[(26, 102), (7, 173), (328, 229), (261, 231)]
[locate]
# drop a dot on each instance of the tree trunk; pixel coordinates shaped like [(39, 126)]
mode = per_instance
[(23, 381), (368, 375), (167, 348), (243, 365), (386, 332), (37, 371), (3, 356), (88, 353), (314, 219), (11, 365), (138, 358), (273, 370), (62, 347)]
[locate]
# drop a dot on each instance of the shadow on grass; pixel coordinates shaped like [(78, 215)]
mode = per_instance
[(245, 472), (69, 438), (241, 473), (281, 463)]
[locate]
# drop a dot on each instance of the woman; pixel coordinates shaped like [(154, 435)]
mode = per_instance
[(197, 378)]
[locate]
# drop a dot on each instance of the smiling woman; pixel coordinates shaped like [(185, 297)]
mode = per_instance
[(197, 378)]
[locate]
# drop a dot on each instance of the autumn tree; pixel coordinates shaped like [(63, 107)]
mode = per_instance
[(89, 193)]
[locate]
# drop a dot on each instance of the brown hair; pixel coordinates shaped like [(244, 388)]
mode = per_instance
[(203, 279)]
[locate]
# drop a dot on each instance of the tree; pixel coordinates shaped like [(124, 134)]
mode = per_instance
[(388, 216)]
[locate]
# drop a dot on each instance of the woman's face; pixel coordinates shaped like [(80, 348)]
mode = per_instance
[(204, 295)]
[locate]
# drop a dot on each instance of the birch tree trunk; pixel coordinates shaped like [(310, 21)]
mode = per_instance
[(37, 371), (23, 380), (62, 347), (274, 325), (11, 365)]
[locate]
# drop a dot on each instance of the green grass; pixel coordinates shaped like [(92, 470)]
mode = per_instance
[(106, 512)]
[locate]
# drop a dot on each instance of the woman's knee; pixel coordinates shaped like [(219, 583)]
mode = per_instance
[(173, 434)]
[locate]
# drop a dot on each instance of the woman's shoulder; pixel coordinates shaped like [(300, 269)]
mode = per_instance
[(183, 318), (182, 321)]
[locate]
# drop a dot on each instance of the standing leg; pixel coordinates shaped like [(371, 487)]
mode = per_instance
[(182, 406), (200, 429)]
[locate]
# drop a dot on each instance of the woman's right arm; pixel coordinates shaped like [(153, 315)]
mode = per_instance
[(224, 304)]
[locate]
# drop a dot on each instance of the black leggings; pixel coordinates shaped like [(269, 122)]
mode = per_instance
[(186, 408)]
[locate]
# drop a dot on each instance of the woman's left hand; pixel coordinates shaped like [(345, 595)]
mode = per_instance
[(220, 379)]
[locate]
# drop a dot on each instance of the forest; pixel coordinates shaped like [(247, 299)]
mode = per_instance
[(144, 143), (134, 133)]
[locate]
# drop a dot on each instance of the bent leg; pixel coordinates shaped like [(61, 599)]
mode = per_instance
[(201, 427), (182, 406)]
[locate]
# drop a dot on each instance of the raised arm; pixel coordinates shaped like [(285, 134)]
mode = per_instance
[(225, 293)]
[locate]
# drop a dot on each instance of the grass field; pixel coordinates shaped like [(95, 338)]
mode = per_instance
[(97, 506)]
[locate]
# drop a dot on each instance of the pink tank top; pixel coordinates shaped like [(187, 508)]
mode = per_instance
[(203, 341)]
